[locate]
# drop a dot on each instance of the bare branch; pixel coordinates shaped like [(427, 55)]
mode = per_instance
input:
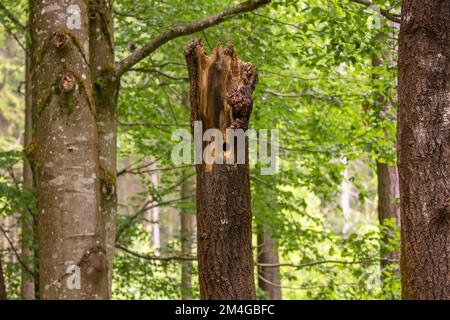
[(144, 171), (154, 258), (315, 263), (12, 17), (147, 206), (184, 30), (390, 16), (154, 70), (16, 253)]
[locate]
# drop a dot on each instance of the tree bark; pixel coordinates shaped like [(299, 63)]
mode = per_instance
[(64, 154), (28, 222), (106, 86), (269, 276), (3, 295), (221, 97), (187, 237), (424, 148)]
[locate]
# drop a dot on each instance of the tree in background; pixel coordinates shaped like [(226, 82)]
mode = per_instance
[(3, 295)]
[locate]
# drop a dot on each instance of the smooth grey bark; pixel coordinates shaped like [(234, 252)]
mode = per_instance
[(64, 154), (28, 239), (106, 85)]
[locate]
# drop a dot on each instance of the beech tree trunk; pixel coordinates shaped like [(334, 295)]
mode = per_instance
[(221, 98), (3, 295), (187, 238), (64, 154), (269, 276), (28, 239), (101, 35), (424, 148)]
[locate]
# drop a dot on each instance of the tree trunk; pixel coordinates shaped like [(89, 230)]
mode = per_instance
[(154, 213), (269, 276), (388, 186), (388, 205), (187, 237), (101, 34), (3, 295), (28, 226), (424, 148), (64, 154), (221, 97)]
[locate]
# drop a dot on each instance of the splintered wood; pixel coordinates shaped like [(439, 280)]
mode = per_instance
[(221, 90)]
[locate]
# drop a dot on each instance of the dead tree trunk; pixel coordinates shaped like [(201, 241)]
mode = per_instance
[(64, 154), (221, 98), (424, 148), (268, 259)]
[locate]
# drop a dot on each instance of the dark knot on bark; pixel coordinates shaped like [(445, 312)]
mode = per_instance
[(67, 82), (60, 39)]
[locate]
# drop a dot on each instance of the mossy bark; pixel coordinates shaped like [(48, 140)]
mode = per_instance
[(64, 154)]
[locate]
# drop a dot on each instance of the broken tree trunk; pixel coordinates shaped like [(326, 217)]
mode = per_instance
[(221, 98), (64, 154)]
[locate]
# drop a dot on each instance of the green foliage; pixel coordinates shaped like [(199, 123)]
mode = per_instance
[(317, 86)]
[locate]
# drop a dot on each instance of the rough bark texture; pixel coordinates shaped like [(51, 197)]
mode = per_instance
[(424, 148), (3, 295), (101, 35), (221, 97), (187, 237), (64, 153), (28, 220), (269, 276)]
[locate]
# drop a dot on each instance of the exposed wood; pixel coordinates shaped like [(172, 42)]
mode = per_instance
[(221, 98)]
